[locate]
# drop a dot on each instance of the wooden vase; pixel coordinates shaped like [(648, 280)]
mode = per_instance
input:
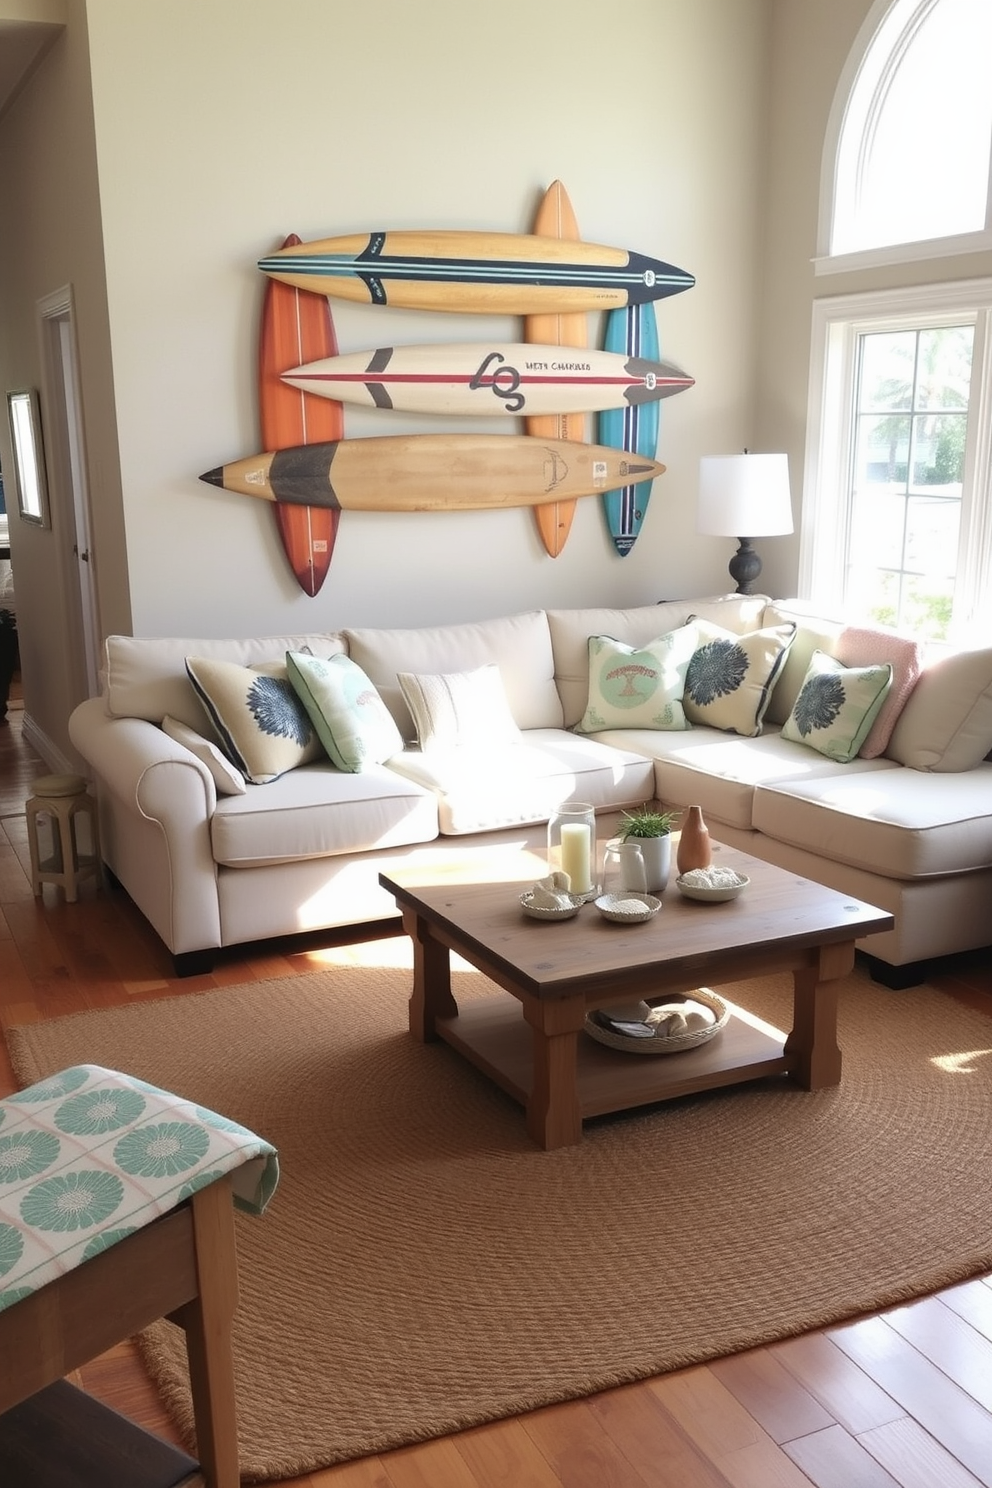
[(694, 849)]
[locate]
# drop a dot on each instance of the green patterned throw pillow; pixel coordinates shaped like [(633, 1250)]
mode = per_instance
[(730, 678), (638, 686), (353, 723), (837, 706), (260, 721)]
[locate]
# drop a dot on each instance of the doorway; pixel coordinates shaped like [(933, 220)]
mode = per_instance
[(68, 488)]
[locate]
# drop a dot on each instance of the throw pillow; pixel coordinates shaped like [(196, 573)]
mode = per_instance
[(352, 722), (947, 724), (258, 717), (862, 646), (837, 706), (228, 780), (458, 708), (638, 686), (730, 678)]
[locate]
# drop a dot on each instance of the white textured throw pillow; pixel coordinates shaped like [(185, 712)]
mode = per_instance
[(458, 708), (227, 778)]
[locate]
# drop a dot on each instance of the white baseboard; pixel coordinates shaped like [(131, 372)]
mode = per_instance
[(57, 762)]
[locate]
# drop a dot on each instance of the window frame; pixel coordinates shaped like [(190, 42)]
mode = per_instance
[(838, 321)]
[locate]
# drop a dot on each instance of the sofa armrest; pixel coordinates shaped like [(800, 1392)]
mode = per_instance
[(156, 803)]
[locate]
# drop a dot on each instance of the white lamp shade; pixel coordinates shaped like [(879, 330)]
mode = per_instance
[(744, 496)]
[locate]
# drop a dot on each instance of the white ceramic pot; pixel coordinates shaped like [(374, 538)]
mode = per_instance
[(657, 855)]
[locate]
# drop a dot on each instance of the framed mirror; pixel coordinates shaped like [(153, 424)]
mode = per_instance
[(24, 412)]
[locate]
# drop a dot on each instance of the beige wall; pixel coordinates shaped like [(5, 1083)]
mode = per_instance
[(694, 135)]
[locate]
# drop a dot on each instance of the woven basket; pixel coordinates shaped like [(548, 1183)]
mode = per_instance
[(677, 1043)]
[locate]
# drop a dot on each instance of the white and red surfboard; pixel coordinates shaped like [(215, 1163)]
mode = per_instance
[(489, 379)]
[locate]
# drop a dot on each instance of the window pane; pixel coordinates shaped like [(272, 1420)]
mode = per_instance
[(887, 370), (883, 449)]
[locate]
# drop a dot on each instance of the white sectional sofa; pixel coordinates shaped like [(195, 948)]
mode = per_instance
[(909, 829)]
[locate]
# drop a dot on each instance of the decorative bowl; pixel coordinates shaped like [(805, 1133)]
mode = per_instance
[(628, 907), (713, 894), (547, 912), (614, 1038)]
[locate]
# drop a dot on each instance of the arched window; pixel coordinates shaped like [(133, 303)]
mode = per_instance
[(897, 499), (910, 138)]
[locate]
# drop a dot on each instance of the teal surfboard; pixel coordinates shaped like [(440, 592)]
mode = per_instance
[(632, 331)]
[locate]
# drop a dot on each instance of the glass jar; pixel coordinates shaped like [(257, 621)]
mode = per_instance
[(623, 868), (572, 845)]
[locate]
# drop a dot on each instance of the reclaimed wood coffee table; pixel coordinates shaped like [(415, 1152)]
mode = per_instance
[(556, 971)]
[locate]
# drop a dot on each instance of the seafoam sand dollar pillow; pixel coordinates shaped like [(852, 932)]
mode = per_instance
[(228, 780), (260, 721), (837, 706), (730, 678), (352, 722), (454, 709), (638, 686)]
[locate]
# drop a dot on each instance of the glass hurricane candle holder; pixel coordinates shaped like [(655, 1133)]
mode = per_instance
[(572, 843)]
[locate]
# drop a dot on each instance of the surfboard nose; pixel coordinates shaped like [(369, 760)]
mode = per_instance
[(214, 477)]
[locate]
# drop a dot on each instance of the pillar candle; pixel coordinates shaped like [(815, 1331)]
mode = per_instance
[(576, 856)]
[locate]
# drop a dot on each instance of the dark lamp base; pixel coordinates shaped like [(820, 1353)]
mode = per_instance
[(745, 566)]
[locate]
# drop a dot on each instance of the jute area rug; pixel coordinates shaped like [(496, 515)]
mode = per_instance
[(423, 1267)]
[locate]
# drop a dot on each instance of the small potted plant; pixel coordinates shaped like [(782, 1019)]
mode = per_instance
[(651, 831)]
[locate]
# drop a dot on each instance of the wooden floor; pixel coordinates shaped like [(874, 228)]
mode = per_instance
[(904, 1398)]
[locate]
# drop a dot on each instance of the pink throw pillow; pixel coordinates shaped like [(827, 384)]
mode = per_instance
[(863, 646)]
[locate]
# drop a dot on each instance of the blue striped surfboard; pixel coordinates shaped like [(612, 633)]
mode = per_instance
[(634, 332)]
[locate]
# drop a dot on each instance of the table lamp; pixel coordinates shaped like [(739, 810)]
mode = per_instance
[(744, 493)]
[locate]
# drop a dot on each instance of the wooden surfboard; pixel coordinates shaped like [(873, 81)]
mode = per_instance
[(555, 218), (489, 379), (475, 272), (632, 332), (297, 326), (432, 472)]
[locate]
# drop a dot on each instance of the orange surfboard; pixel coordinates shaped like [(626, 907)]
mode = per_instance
[(297, 326), (556, 219)]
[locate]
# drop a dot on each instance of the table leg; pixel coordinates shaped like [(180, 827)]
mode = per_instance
[(554, 1118), (812, 1044), (431, 997)]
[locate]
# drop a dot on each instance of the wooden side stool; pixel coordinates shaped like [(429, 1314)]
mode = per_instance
[(116, 1210), (63, 798)]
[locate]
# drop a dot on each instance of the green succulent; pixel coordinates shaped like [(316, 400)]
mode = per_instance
[(645, 823)]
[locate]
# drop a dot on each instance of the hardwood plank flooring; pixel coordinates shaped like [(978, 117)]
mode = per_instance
[(899, 1400)]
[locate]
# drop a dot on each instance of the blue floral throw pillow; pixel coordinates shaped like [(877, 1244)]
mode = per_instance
[(730, 678), (837, 706), (263, 726)]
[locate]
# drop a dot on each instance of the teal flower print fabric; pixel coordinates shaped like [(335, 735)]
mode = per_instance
[(91, 1155)]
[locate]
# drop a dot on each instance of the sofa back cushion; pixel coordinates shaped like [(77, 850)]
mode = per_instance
[(520, 645), (814, 632), (947, 723), (145, 676), (571, 629)]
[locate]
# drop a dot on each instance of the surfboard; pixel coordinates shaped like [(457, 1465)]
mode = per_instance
[(296, 325), (490, 379), (555, 218), (632, 332), (475, 272), (432, 472)]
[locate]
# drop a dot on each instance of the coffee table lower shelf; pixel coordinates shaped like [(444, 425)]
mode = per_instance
[(492, 1034)]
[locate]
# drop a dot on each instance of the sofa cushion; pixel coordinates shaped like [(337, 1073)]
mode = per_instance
[(482, 789), (459, 709), (862, 645), (571, 629), (814, 632), (718, 772), (638, 687), (902, 824), (145, 676), (319, 811), (228, 780), (520, 645), (837, 706), (261, 722), (350, 718), (729, 680), (946, 724)]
